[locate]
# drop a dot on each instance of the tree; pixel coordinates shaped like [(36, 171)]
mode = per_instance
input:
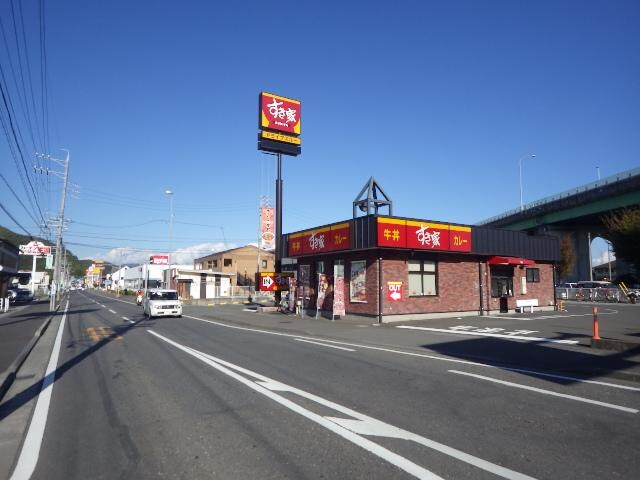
[(567, 257), (623, 230)]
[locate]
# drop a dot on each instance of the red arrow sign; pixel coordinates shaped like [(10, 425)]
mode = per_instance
[(394, 291)]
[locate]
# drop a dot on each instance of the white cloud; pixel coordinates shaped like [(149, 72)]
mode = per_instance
[(602, 258), (182, 256)]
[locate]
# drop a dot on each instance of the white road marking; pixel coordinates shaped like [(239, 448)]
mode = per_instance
[(249, 310), (103, 306), (113, 311), (547, 392), (411, 354), (607, 311), (324, 344), (33, 441), (349, 429), (127, 320), (492, 335), (572, 379)]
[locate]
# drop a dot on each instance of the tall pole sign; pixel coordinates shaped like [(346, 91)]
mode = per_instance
[(280, 124)]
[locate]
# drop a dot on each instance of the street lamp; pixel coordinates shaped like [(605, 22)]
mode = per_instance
[(169, 194), (520, 163)]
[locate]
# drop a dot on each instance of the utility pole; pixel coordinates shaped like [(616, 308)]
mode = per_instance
[(55, 294)]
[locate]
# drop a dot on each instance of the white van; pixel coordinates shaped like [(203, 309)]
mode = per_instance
[(162, 303)]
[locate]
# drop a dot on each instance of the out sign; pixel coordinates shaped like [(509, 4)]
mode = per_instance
[(394, 291)]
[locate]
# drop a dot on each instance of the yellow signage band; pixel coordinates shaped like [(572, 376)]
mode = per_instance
[(279, 137), (391, 221), (297, 102), (411, 223)]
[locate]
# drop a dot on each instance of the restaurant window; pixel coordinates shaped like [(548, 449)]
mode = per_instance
[(502, 282), (533, 275), (227, 262), (423, 278)]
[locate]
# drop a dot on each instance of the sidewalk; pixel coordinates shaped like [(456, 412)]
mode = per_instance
[(19, 328)]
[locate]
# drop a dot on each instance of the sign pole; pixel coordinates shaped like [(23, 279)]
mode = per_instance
[(278, 256), (33, 276)]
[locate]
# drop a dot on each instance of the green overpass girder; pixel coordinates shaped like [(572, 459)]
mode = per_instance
[(591, 208)]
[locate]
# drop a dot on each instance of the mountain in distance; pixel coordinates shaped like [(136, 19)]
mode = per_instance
[(77, 267)]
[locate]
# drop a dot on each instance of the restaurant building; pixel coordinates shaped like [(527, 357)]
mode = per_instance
[(397, 268)]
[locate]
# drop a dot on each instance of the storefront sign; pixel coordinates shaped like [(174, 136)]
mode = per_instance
[(274, 282), (320, 240), (394, 291), (459, 238), (159, 259), (280, 113), (34, 248), (423, 235), (358, 282), (338, 290), (427, 236), (392, 232), (323, 286), (279, 137), (267, 229)]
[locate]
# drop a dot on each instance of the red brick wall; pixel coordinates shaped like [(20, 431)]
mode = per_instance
[(458, 284), (542, 290)]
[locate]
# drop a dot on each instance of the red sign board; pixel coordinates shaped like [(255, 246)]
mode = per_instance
[(159, 259), (459, 238), (423, 235), (427, 236), (392, 233), (394, 291), (273, 282), (280, 113), (321, 240)]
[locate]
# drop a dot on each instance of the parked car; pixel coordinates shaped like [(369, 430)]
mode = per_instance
[(568, 285), (20, 295), (162, 303), (595, 284)]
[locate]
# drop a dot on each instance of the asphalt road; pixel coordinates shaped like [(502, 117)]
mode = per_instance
[(199, 398)]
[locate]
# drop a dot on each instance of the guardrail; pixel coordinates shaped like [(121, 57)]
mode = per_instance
[(614, 295)]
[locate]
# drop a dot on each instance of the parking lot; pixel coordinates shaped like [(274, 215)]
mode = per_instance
[(573, 326)]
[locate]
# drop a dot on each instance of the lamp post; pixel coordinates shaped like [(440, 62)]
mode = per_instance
[(169, 193), (520, 163)]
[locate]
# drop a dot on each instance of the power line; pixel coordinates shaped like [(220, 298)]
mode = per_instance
[(14, 220)]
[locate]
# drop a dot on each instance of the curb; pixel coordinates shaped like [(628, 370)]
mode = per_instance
[(9, 375)]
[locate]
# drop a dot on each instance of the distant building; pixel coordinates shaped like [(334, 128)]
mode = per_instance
[(9, 255), (242, 263), (601, 272)]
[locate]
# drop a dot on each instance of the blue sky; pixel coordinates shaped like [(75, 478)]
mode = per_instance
[(436, 100)]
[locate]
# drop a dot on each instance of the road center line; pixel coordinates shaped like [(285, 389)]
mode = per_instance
[(349, 429), (113, 311), (324, 344), (492, 335), (547, 392), (33, 441)]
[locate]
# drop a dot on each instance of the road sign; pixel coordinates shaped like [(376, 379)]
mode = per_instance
[(394, 291), (35, 248), (274, 282)]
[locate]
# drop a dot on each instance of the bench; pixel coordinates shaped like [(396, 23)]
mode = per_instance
[(532, 302)]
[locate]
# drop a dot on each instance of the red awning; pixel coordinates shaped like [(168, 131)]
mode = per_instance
[(509, 261)]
